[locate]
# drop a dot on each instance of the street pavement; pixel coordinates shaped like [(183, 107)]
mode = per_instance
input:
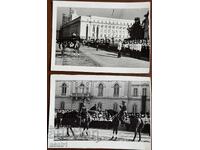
[(100, 135), (109, 59), (71, 58), (90, 57), (97, 134)]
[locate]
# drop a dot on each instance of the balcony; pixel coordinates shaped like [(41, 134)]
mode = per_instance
[(80, 96)]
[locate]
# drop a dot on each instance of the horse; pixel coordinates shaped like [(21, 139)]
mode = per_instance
[(137, 125), (85, 123), (71, 119), (115, 122), (134, 122)]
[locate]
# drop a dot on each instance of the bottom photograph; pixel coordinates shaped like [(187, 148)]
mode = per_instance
[(89, 111)]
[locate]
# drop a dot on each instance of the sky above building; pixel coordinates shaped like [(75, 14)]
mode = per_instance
[(129, 14)]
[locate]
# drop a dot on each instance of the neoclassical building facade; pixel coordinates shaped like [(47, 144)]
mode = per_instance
[(105, 94), (94, 27)]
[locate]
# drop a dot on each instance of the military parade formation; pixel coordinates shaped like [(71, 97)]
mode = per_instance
[(94, 117)]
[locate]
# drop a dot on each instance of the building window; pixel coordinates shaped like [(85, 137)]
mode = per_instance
[(135, 92), (62, 105), (82, 87), (100, 90), (115, 107), (64, 89), (144, 91), (116, 90)]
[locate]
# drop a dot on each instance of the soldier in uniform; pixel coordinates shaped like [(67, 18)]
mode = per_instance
[(59, 118), (119, 48), (97, 44), (94, 107), (83, 112), (77, 46), (123, 111)]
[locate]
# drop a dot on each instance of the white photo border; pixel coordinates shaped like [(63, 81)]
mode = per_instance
[(79, 4), (90, 144)]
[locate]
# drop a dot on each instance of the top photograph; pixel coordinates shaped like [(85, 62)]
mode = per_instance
[(101, 37)]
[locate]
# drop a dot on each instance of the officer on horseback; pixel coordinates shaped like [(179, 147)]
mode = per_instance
[(123, 112), (85, 118), (83, 112)]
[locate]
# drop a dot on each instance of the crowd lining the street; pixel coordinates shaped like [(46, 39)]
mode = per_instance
[(132, 48)]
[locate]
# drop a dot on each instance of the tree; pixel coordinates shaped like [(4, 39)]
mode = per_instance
[(136, 31)]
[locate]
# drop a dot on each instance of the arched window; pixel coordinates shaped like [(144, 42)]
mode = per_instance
[(100, 90), (115, 107), (64, 89), (62, 105), (116, 90), (82, 87)]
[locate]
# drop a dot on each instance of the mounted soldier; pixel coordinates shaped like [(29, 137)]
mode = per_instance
[(123, 112), (85, 118), (83, 112)]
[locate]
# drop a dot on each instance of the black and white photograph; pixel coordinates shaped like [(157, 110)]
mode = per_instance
[(100, 112), (101, 37)]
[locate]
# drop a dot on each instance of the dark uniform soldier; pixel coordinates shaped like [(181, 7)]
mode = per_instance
[(83, 112), (77, 46), (122, 112), (94, 107), (59, 118), (63, 49), (97, 44)]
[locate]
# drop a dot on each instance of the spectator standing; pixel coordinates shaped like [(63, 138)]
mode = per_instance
[(119, 48), (76, 47), (97, 44)]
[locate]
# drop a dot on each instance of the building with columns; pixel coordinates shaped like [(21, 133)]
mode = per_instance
[(94, 27), (105, 94)]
